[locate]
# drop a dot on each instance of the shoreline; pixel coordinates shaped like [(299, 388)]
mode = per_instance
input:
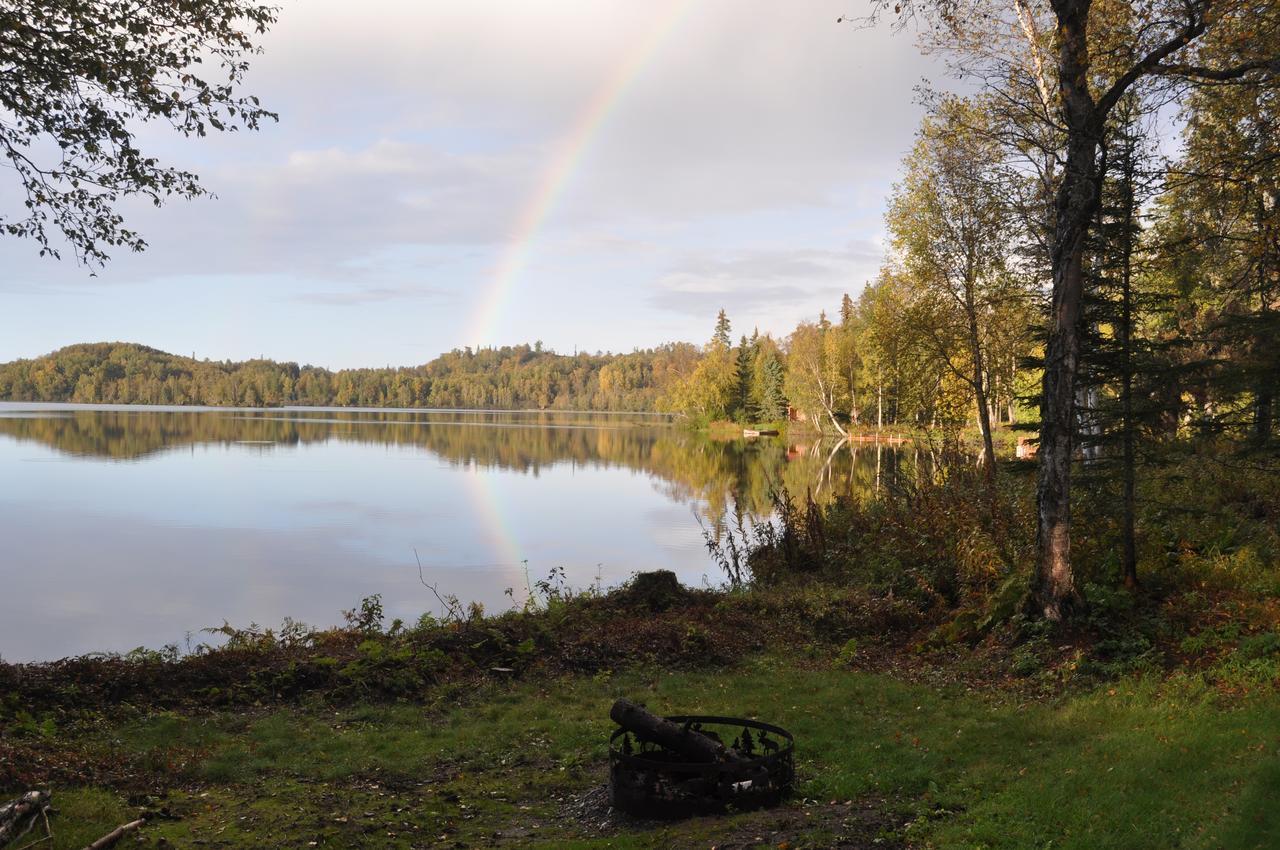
[(213, 408)]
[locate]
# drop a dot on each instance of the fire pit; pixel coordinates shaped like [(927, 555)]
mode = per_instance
[(686, 765)]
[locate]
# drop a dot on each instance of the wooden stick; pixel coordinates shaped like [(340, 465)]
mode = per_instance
[(115, 835), (13, 813), (649, 727)]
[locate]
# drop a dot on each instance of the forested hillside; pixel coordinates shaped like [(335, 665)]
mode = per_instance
[(510, 377)]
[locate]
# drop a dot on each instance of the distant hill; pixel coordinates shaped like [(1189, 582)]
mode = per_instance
[(510, 377)]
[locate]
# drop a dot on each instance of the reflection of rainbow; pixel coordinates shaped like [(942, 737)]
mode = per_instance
[(499, 536), (562, 165)]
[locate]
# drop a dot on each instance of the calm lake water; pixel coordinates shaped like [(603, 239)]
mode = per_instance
[(138, 526)]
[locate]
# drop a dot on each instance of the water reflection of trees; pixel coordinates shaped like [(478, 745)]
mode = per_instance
[(723, 475)]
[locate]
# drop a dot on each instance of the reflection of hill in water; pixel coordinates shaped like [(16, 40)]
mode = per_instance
[(691, 466)]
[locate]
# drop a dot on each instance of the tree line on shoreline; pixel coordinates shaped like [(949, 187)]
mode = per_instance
[(832, 376), (1049, 239), (510, 377)]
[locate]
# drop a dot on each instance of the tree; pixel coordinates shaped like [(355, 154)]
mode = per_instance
[(1119, 365), (898, 373), (723, 335), (1083, 61), (1223, 224), (711, 389), (951, 230), (848, 357), (746, 407), (773, 398), (77, 80), (846, 310), (813, 376)]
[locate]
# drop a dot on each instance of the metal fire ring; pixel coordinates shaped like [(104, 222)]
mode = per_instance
[(651, 782)]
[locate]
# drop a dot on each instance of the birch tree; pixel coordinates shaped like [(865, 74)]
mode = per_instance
[(951, 232)]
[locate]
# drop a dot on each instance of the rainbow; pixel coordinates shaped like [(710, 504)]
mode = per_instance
[(566, 159)]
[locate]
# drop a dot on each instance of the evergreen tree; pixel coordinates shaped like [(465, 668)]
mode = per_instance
[(1121, 366), (773, 400), (722, 336), (746, 408), (1226, 207), (846, 311)]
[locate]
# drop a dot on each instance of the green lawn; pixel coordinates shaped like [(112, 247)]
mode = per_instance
[(1130, 765)]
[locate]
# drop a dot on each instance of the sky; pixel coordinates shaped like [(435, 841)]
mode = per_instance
[(597, 175)]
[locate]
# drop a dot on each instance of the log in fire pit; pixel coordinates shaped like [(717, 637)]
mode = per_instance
[(686, 765)]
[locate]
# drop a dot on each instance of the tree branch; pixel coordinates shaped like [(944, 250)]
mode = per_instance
[(1194, 28), (1200, 72)]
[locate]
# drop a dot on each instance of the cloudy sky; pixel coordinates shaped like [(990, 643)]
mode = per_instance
[(599, 175)]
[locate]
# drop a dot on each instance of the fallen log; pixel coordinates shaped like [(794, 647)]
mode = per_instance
[(23, 810), (115, 835), (688, 742)]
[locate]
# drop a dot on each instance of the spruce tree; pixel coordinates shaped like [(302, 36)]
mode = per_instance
[(745, 407), (1234, 182), (773, 401), (722, 337), (1119, 407)]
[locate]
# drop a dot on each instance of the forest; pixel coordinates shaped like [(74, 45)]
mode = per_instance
[(871, 370), (510, 377), (751, 381)]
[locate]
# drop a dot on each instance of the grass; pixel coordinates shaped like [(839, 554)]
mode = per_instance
[(1133, 764)]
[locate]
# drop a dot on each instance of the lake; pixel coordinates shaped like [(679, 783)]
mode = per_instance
[(137, 526)]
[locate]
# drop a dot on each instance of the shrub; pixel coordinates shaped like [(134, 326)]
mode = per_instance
[(939, 542)]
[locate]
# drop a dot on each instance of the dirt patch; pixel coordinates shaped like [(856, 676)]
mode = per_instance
[(870, 822), (851, 825)]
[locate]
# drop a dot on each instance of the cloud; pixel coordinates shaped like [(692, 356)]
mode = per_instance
[(705, 302), (368, 295), (338, 205), (324, 212), (764, 281), (416, 124)]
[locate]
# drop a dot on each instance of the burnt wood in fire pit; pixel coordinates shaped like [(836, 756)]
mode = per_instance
[(679, 766), (688, 742)]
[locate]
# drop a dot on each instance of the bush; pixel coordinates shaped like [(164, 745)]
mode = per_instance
[(940, 542)]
